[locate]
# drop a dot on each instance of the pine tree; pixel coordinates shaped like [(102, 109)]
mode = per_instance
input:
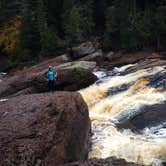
[(41, 24), (72, 22), (160, 21), (14, 8), (87, 18)]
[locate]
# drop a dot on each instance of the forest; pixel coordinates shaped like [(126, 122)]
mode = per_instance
[(31, 29)]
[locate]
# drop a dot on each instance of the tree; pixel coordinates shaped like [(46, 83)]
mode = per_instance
[(41, 24), (160, 21), (72, 25), (87, 18)]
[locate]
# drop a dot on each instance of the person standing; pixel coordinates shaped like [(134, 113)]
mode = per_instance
[(51, 76)]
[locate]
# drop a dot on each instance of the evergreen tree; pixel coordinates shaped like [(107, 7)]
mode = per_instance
[(87, 18), (72, 22), (160, 21), (46, 25), (41, 24), (99, 15)]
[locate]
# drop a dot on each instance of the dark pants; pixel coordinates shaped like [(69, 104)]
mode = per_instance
[(51, 85)]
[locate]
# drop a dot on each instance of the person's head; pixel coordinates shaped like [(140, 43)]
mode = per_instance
[(50, 68)]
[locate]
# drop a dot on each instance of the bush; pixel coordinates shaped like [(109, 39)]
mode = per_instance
[(79, 71)]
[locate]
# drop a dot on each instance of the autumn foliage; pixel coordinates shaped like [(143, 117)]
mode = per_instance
[(9, 35)]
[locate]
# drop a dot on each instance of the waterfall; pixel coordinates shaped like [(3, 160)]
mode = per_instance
[(118, 96)]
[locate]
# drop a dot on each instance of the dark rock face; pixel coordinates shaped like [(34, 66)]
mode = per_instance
[(146, 117), (158, 80), (68, 80), (118, 89), (43, 129), (75, 79), (103, 162), (71, 76)]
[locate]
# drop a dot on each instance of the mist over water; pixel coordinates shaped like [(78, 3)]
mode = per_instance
[(117, 97)]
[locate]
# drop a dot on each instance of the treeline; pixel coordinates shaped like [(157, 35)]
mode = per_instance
[(32, 28)]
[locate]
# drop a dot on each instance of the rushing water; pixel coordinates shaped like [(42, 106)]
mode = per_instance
[(106, 109), (2, 74)]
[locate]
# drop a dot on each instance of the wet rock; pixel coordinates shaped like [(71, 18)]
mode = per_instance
[(118, 89), (164, 164), (145, 64), (111, 161), (157, 80), (147, 116), (43, 129)]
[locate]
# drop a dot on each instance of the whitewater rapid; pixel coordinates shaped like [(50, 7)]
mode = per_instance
[(106, 109)]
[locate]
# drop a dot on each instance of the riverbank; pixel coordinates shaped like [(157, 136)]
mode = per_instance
[(114, 102)]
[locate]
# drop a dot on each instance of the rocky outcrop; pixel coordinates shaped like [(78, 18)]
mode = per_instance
[(147, 116), (112, 161), (71, 76), (77, 64), (144, 64), (120, 59), (83, 50), (97, 57), (43, 129)]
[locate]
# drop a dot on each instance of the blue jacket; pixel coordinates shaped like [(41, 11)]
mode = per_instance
[(51, 75)]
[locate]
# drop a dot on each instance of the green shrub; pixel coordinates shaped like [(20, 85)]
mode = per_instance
[(79, 71)]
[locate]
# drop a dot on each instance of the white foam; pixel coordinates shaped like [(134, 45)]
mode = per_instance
[(3, 100), (100, 74), (146, 148), (123, 68)]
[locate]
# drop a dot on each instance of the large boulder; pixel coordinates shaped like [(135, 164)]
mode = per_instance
[(83, 50), (23, 79), (72, 76), (43, 129), (16, 83), (147, 116), (96, 56)]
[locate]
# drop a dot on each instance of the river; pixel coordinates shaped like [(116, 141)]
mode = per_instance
[(116, 96)]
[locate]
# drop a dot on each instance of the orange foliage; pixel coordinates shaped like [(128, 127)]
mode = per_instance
[(9, 35)]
